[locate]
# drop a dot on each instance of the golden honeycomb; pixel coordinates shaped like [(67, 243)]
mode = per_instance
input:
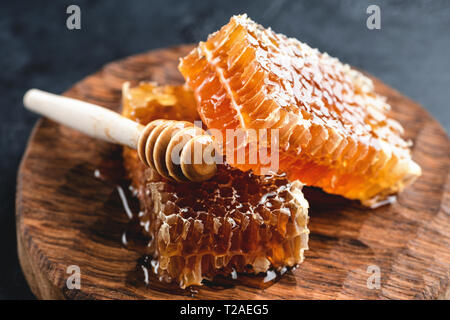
[(333, 129), (235, 222)]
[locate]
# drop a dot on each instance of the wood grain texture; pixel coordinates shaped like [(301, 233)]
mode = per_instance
[(65, 216)]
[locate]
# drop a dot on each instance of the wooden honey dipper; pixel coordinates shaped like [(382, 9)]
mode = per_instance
[(177, 150)]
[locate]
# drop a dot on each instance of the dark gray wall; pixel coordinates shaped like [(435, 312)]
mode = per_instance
[(410, 53)]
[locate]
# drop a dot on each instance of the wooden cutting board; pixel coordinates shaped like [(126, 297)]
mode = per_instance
[(67, 216)]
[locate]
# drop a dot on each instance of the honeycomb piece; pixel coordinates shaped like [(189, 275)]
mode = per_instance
[(235, 222), (333, 129), (148, 101)]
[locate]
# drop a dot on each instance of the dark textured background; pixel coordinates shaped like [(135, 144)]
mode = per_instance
[(410, 53)]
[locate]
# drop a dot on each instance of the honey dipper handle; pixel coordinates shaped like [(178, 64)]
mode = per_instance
[(88, 118)]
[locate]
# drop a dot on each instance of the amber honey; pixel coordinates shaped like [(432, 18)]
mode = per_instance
[(334, 131)]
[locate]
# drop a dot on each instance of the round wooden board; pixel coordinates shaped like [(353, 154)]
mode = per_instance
[(66, 216)]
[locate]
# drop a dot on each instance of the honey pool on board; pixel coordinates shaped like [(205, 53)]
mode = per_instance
[(333, 129), (236, 222)]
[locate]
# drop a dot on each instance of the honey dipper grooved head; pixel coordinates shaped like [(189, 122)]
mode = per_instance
[(177, 150), (161, 143), (197, 159), (143, 138)]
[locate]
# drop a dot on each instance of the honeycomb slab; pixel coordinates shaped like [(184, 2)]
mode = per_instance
[(333, 128), (235, 222)]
